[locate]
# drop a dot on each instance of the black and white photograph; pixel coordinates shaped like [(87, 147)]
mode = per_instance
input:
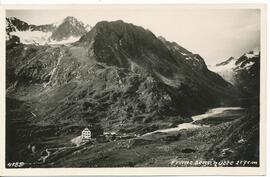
[(114, 86)]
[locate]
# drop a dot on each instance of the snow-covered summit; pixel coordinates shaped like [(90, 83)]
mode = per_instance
[(69, 28), (224, 66), (64, 31), (252, 54), (228, 68)]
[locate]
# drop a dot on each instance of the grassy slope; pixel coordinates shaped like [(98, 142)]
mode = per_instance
[(160, 149)]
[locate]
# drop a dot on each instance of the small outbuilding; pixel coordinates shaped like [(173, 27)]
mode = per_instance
[(86, 134)]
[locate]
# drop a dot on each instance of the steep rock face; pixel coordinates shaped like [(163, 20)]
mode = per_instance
[(118, 76), (126, 45), (247, 76), (174, 46), (70, 27), (195, 63), (14, 24), (194, 60)]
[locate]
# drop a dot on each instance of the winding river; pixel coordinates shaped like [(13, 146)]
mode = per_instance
[(210, 113)]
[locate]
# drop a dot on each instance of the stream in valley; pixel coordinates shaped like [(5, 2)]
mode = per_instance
[(210, 113)]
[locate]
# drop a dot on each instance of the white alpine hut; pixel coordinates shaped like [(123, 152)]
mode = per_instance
[(86, 134)]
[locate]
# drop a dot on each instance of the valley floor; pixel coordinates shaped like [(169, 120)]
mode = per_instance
[(212, 141)]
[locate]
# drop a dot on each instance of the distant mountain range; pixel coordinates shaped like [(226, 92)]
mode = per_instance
[(229, 68), (244, 74), (66, 31)]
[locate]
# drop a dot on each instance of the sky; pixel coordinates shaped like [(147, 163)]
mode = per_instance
[(215, 34)]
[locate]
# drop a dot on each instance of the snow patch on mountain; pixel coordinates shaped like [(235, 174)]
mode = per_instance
[(252, 54), (57, 23), (71, 39), (43, 34), (88, 27), (248, 66), (40, 38), (32, 37), (188, 58), (222, 68), (230, 67)]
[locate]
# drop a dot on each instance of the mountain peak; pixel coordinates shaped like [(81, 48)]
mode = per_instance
[(229, 60), (105, 22), (71, 19), (120, 25), (229, 68), (113, 40), (70, 27), (120, 30), (11, 18), (15, 24), (252, 54)]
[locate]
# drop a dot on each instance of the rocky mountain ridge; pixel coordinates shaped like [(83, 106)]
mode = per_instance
[(230, 68), (65, 31)]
